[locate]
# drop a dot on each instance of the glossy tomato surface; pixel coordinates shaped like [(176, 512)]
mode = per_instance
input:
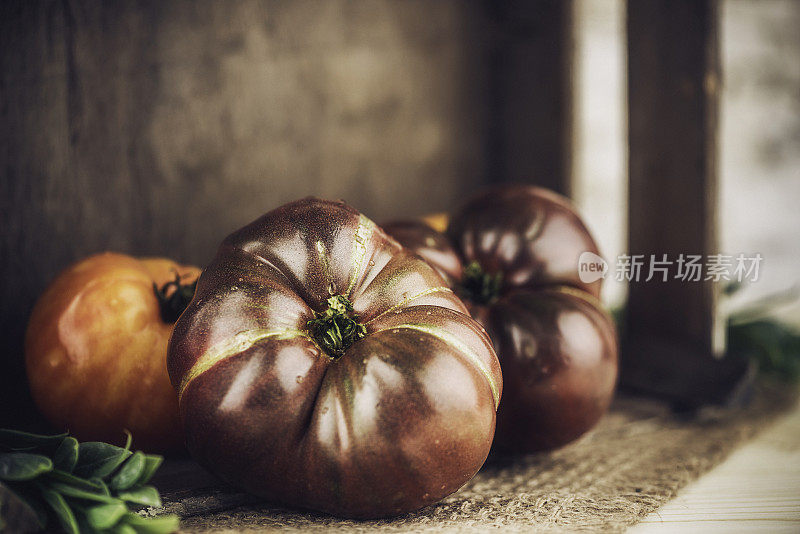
[(512, 255), (96, 350), (321, 365)]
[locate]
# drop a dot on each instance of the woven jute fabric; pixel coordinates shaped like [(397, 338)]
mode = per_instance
[(637, 458)]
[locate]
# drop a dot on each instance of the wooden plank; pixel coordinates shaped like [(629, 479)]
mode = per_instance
[(672, 326), (531, 93), (672, 83), (757, 489), (156, 128)]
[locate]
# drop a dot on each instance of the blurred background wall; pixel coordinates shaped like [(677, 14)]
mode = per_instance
[(759, 145), (157, 127)]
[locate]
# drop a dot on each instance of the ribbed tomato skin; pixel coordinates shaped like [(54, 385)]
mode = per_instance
[(556, 344), (404, 417)]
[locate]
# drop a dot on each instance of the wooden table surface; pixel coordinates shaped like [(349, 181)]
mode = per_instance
[(757, 489)]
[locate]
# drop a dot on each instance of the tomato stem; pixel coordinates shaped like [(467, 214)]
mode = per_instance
[(337, 327), (479, 286), (172, 303)]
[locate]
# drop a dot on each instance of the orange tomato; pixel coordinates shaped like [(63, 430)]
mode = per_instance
[(96, 348), (437, 221)]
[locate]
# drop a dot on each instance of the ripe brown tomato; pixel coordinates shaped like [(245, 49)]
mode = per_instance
[(323, 366), (512, 254), (96, 348)]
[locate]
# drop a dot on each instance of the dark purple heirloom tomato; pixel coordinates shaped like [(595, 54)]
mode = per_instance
[(512, 255), (322, 365)]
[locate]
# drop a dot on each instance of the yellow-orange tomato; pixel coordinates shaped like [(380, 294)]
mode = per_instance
[(437, 221), (96, 348)]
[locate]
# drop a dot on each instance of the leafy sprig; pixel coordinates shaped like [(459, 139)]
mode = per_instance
[(755, 333), (85, 487), (774, 345)]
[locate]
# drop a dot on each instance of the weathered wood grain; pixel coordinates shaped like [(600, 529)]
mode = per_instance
[(757, 489), (531, 86), (156, 128), (674, 331), (673, 97)]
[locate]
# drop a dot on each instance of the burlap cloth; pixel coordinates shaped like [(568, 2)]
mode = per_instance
[(637, 458)]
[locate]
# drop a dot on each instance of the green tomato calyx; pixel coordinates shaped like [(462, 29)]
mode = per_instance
[(479, 286), (173, 297), (336, 328)]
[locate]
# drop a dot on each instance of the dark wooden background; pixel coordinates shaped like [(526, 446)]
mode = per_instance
[(158, 127)]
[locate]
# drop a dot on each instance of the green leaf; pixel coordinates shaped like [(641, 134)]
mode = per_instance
[(144, 495), (103, 486), (163, 524), (18, 466), (62, 510), (66, 455), (97, 459), (74, 482), (130, 472), (773, 345), (105, 516), (152, 463), (78, 493), (128, 440), (123, 528), (17, 440), (83, 523), (96, 486), (29, 495)]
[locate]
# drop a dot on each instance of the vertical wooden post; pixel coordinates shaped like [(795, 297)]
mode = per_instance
[(673, 81), (531, 93)]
